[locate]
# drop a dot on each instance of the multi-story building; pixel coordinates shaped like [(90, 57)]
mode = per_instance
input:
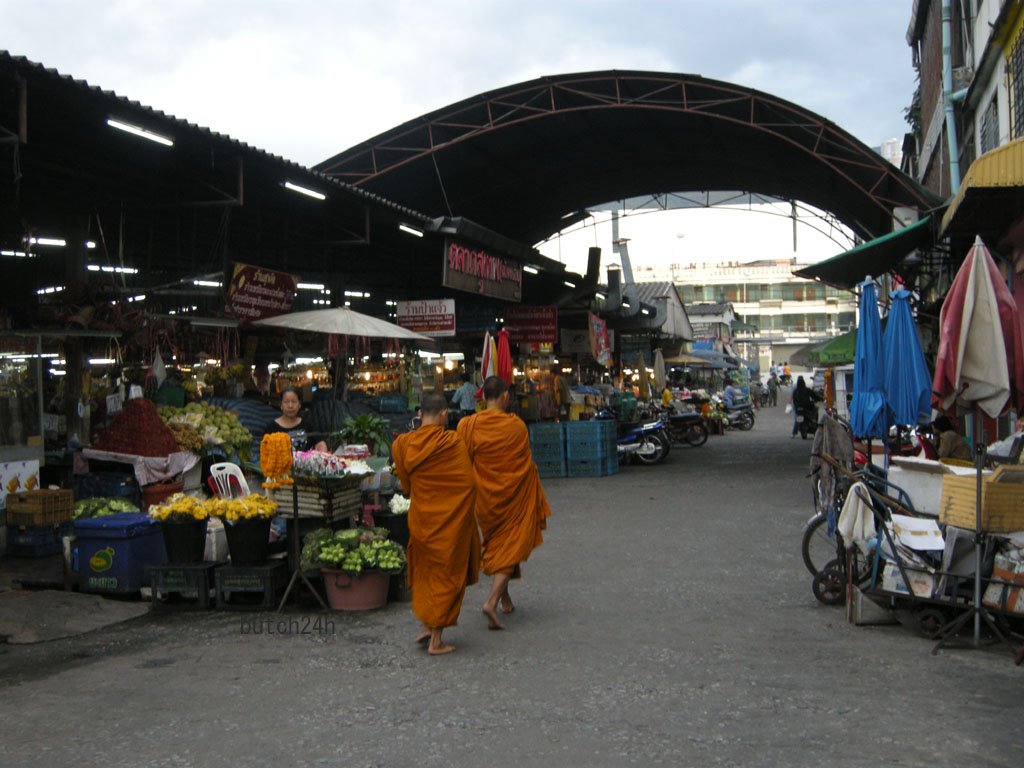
[(776, 313)]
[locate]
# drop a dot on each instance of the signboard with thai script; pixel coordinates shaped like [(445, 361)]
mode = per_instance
[(477, 270), (255, 293), (532, 325), (431, 317)]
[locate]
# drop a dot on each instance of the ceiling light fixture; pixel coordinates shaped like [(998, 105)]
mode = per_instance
[(310, 286), (531, 269), (567, 284), (208, 283), (305, 191), (140, 132), (410, 230), (54, 241)]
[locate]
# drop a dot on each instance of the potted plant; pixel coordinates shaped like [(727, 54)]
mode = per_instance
[(183, 520), (356, 564), (367, 428), (246, 526)]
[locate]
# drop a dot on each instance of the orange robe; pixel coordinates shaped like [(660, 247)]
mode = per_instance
[(444, 543), (510, 503)]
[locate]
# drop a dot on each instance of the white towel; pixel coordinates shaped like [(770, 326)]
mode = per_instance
[(857, 521)]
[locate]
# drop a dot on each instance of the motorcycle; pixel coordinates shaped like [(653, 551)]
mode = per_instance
[(647, 442), (686, 428), (807, 420), (739, 416)]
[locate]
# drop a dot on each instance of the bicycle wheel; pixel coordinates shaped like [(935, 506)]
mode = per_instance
[(816, 546)]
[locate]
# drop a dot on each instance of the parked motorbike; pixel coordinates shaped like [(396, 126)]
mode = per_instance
[(739, 416), (648, 442), (686, 428)]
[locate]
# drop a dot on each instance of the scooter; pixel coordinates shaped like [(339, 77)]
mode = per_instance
[(739, 416), (807, 420), (686, 428), (648, 442)]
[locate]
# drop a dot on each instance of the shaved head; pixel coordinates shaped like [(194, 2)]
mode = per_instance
[(494, 387), (433, 403)]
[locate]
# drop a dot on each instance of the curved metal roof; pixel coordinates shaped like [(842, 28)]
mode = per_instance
[(526, 159)]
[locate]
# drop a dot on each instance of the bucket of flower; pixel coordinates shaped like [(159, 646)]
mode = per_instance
[(356, 564), (183, 522)]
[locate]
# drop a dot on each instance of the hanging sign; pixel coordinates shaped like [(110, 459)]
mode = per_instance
[(600, 347), (431, 317), (532, 325), (476, 270), (255, 293)]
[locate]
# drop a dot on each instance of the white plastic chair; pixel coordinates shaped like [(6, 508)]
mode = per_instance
[(230, 481)]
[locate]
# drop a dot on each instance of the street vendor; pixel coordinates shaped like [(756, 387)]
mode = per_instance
[(951, 444), (291, 422)]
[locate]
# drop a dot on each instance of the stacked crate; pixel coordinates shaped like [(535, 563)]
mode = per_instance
[(547, 443), (590, 448)]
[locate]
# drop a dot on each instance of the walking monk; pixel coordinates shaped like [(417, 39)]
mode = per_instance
[(510, 503), (444, 543)]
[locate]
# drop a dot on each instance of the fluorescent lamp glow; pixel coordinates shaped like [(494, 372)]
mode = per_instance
[(18, 254), (410, 230), (568, 215), (51, 289), (531, 270), (568, 284), (390, 303), (208, 283), (348, 303), (109, 269), (644, 312), (54, 241), (90, 244), (93, 267), (101, 361), (305, 191), (310, 286), (308, 360), (357, 294), (55, 372), (140, 132), (137, 298), (600, 295)]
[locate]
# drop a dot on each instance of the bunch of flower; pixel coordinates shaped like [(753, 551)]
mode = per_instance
[(276, 460), (320, 464), (186, 435), (399, 505), (180, 506), (249, 507), (354, 550)]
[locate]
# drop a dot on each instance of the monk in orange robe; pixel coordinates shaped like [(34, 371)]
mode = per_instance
[(510, 503), (444, 544)]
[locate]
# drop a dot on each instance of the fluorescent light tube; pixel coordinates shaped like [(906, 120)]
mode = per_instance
[(140, 132), (305, 191)]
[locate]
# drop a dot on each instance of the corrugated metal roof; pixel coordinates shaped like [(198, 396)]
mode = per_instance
[(28, 68), (1000, 168)]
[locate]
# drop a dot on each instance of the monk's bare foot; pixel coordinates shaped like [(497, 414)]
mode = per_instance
[(440, 650), (423, 636), (506, 604), (492, 618)]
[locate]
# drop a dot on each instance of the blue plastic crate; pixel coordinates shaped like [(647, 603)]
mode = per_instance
[(547, 451), (547, 432), (551, 468), (36, 540), (592, 467), (97, 485), (590, 450), (589, 428)]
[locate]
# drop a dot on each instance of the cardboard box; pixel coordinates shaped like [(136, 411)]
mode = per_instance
[(1005, 596), (921, 582), (1002, 500)]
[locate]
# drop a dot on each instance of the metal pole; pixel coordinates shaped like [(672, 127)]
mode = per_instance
[(979, 459)]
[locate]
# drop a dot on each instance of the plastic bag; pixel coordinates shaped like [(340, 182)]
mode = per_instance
[(789, 407)]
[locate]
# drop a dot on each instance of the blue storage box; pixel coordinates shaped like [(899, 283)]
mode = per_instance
[(112, 553), (36, 540)]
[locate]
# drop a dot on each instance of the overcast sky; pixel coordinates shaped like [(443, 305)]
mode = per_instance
[(308, 79)]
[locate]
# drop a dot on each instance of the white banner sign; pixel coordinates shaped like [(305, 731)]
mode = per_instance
[(431, 317)]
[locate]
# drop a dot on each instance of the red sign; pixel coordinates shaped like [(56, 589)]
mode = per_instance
[(476, 271), (532, 325), (600, 346), (255, 293), (431, 318)]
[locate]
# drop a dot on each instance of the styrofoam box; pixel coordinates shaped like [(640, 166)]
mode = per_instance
[(922, 480), (922, 582)]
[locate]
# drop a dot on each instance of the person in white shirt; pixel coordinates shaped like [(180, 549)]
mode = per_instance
[(464, 399)]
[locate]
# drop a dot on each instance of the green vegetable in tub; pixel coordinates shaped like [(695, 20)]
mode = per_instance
[(85, 509)]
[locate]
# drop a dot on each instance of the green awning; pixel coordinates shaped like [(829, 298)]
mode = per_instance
[(837, 351), (875, 257)]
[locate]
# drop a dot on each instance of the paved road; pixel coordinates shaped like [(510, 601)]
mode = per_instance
[(667, 620)]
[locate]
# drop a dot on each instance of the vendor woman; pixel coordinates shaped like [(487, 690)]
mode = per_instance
[(289, 421)]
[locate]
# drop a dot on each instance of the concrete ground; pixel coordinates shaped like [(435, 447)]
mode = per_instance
[(666, 620)]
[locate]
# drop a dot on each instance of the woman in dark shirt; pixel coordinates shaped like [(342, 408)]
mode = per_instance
[(289, 421)]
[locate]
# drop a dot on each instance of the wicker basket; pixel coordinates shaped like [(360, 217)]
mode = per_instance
[(1002, 500), (330, 498), (39, 508)]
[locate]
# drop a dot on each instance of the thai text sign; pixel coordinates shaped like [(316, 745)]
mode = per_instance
[(431, 317), (255, 293), (475, 270), (532, 325)]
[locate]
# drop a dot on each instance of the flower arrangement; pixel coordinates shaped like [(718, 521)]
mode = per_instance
[(180, 507), (320, 464), (276, 460), (352, 550), (251, 507), (399, 505)]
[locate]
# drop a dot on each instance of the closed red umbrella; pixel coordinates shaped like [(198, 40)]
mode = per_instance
[(504, 357)]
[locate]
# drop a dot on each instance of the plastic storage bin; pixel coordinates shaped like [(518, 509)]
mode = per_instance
[(112, 553)]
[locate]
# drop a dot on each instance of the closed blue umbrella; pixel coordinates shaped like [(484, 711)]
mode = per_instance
[(905, 378), (867, 408)]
